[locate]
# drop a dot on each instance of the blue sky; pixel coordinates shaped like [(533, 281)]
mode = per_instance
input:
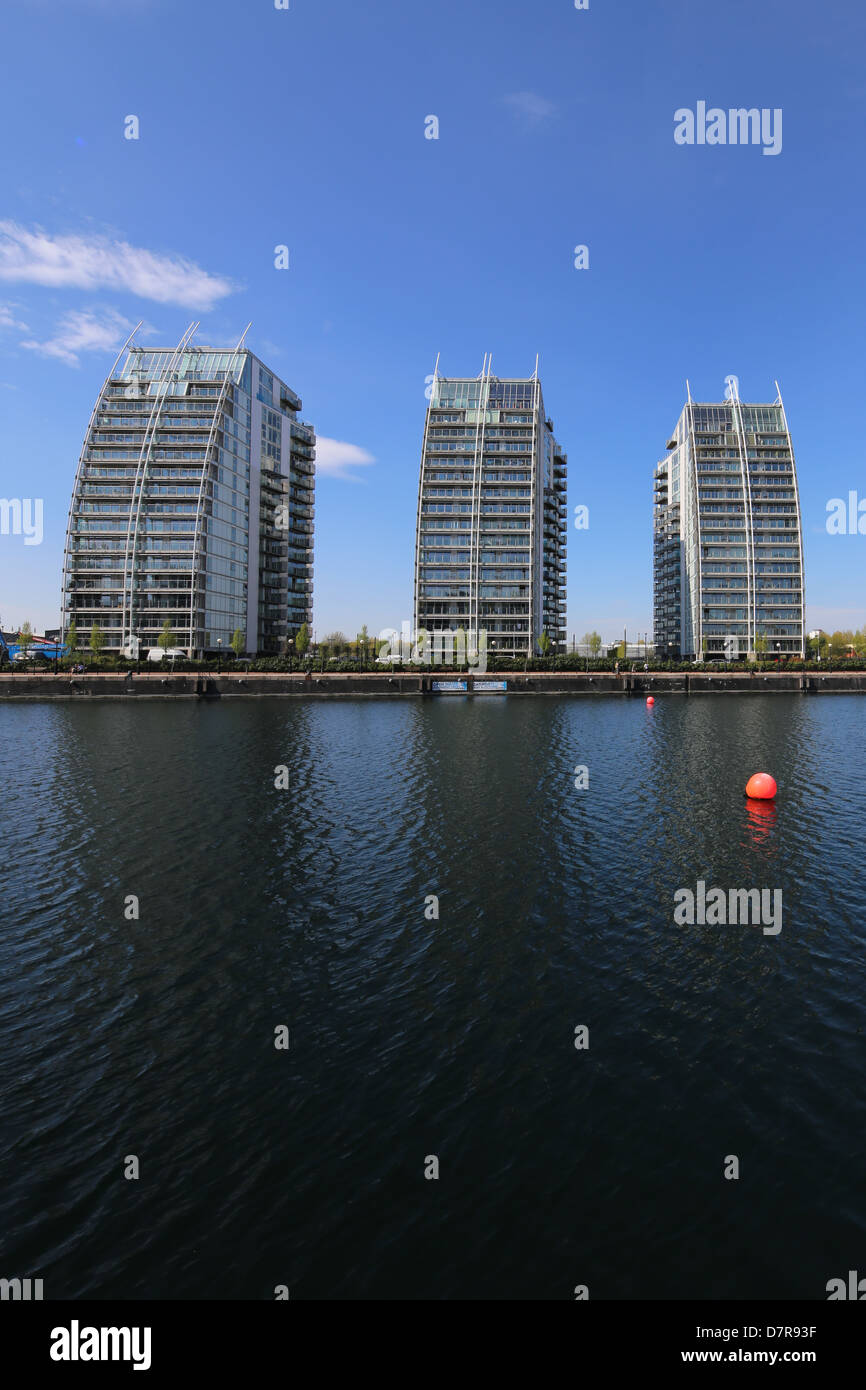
[(305, 127)]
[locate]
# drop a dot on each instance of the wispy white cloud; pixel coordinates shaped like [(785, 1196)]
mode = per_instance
[(97, 262), (83, 331), (530, 106), (335, 458), (8, 319)]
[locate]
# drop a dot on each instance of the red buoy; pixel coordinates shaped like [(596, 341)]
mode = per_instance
[(761, 786), (650, 699)]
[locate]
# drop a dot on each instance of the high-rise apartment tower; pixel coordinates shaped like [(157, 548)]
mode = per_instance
[(193, 503), (728, 541), (491, 525)]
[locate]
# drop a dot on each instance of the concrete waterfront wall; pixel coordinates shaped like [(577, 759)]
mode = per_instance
[(257, 684)]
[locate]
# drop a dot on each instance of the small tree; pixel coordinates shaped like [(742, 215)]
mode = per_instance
[(593, 641), (302, 640), (97, 640), (544, 644), (238, 642), (760, 645), (841, 643), (25, 638), (166, 638), (336, 641), (72, 638)]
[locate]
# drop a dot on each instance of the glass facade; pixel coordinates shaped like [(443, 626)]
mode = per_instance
[(193, 503), (491, 526), (728, 544)]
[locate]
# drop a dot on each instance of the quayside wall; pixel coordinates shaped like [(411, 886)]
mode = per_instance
[(256, 684)]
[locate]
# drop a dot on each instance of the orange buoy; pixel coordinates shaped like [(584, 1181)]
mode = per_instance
[(650, 699), (761, 786)]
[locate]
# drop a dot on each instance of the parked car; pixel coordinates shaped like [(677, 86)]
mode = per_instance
[(31, 654), (170, 653)]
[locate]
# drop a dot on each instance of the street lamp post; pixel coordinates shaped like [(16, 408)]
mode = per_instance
[(219, 655)]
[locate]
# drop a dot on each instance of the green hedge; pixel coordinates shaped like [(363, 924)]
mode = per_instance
[(286, 665)]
